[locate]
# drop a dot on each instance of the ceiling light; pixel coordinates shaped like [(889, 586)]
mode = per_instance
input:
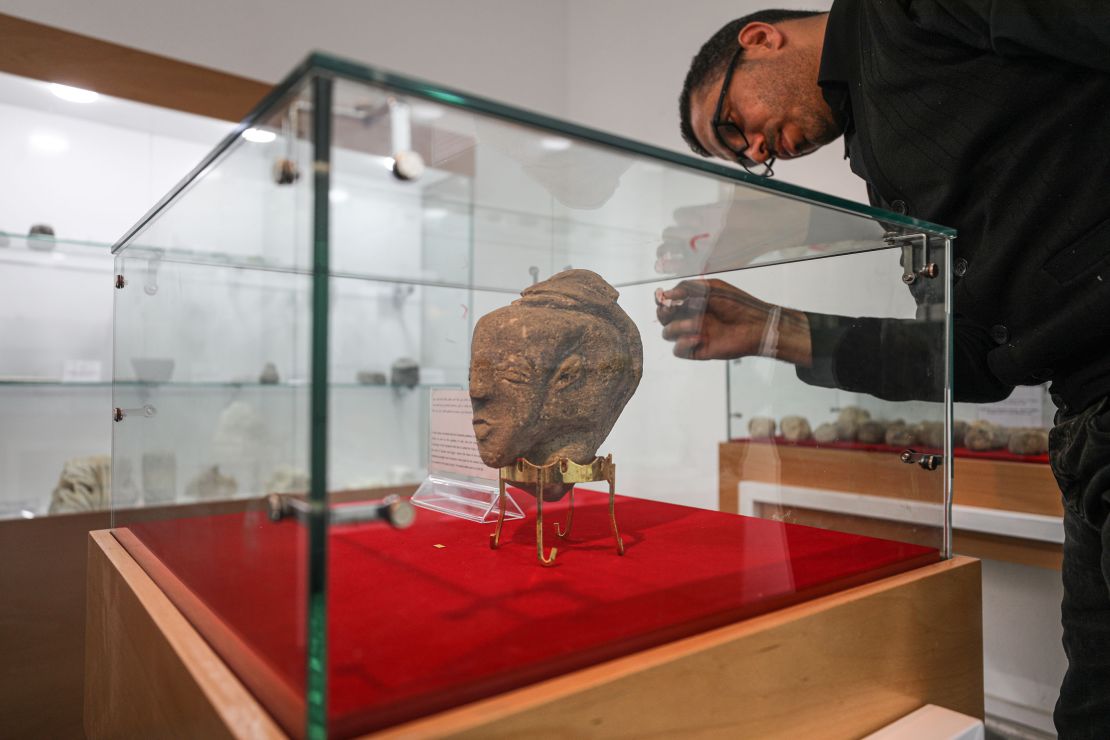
[(73, 94), (259, 136), (338, 196)]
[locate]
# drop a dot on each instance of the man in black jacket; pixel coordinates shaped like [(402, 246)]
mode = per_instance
[(989, 116)]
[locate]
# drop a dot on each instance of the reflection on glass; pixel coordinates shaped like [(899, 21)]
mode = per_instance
[(775, 324)]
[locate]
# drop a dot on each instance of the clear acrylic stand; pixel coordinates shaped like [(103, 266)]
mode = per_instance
[(473, 500)]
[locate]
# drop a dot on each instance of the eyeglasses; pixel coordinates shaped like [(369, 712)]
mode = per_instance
[(731, 137)]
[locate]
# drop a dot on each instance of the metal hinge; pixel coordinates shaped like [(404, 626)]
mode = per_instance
[(910, 271), (926, 460)]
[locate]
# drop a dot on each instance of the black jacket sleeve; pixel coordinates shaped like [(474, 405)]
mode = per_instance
[(1074, 31), (900, 359)]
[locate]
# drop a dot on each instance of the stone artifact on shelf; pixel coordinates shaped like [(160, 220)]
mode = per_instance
[(761, 427), (211, 484), (900, 434), (795, 429), (848, 422), (959, 432), (405, 373), (269, 374), (84, 485), (930, 433), (551, 372), (370, 377), (826, 433), (871, 432), (1028, 441), (983, 436), (41, 237)]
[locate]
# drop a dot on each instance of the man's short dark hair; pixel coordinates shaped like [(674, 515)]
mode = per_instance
[(709, 63)]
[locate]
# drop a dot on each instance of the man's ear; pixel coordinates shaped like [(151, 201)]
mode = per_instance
[(757, 38), (567, 374)]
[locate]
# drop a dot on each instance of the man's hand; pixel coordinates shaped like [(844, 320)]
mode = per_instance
[(712, 320)]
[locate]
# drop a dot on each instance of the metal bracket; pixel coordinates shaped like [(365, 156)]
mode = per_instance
[(907, 241), (394, 510), (147, 410), (926, 460), (150, 284)]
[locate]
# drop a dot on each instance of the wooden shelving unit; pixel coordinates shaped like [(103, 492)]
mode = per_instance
[(992, 485)]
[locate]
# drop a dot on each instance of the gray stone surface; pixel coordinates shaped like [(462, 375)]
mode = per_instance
[(551, 372)]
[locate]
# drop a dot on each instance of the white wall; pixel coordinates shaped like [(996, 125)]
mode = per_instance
[(626, 62), (507, 49)]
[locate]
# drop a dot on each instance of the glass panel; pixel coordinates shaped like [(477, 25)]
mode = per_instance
[(212, 378), (499, 206), (440, 210)]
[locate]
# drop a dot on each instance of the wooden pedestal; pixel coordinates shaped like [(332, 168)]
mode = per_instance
[(835, 667)]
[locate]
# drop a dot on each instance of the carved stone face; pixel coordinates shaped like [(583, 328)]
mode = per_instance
[(550, 373)]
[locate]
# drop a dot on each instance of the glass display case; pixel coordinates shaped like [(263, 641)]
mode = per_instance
[(294, 326), (55, 375)]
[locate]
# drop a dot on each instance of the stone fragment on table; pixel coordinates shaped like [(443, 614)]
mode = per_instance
[(796, 429), (900, 434), (983, 436), (871, 432), (848, 422), (1028, 441), (826, 433), (761, 427)]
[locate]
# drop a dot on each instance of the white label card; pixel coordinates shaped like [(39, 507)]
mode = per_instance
[(453, 447), (1024, 408)]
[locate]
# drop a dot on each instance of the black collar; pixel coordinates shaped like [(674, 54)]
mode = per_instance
[(838, 54)]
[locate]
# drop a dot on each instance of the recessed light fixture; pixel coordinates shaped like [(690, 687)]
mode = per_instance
[(555, 143), (259, 135), (335, 195), (435, 214), (73, 94)]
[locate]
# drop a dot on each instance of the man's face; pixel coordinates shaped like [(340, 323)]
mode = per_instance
[(774, 98), (507, 387)]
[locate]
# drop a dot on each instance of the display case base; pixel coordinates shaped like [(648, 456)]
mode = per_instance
[(840, 665)]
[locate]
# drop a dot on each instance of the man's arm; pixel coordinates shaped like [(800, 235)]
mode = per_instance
[(900, 359), (892, 359), (1073, 31)]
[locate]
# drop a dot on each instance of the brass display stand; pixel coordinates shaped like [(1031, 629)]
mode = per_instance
[(561, 470)]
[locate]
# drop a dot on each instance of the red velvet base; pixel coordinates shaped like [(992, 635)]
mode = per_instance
[(428, 618)]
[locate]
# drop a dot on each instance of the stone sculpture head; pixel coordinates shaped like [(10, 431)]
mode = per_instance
[(551, 372)]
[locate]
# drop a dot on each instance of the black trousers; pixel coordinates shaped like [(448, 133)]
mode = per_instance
[(1079, 449)]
